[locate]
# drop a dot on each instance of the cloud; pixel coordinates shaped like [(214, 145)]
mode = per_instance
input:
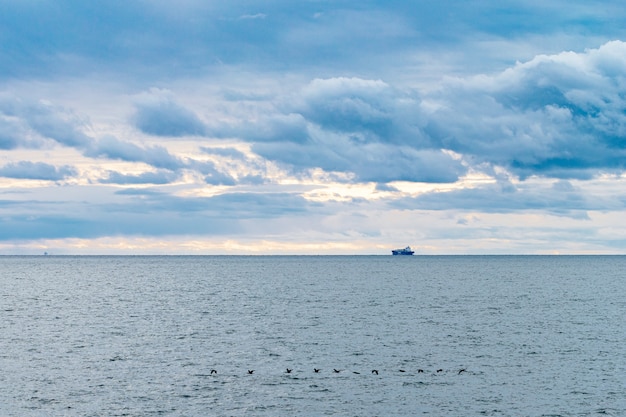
[(158, 114), (159, 177), (169, 165), (259, 205), (25, 124), (557, 116), (560, 116), (224, 152), (211, 174), (19, 227), (127, 223), (560, 198), (386, 187), (58, 124), (36, 171), (253, 16), (236, 205), (269, 127), (147, 212), (370, 162), (112, 148), (152, 41), (29, 124), (370, 110), (10, 134), (250, 171), (349, 125)]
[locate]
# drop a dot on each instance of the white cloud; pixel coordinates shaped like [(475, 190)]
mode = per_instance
[(253, 16)]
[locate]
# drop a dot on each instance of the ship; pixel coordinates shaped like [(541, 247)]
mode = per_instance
[(405, 251)]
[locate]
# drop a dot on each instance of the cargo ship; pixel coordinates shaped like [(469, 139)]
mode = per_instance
[(405, 251)]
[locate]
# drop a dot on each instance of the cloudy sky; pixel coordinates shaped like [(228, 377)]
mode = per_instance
[(312, 126)]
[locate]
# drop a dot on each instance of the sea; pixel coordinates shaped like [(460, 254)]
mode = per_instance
[(388, 336)]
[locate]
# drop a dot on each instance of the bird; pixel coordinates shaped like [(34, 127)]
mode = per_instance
[(420, 371), (375, 372), (439, 370), (461, 371), (289, 370), (336, 371), (250, 372), (316, 370), (355, 372), (213, 371), (402, 370)]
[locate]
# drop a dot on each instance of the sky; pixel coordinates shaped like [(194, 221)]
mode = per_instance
[(312, 127)]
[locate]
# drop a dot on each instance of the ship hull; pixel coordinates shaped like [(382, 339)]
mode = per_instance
[(401, 252)]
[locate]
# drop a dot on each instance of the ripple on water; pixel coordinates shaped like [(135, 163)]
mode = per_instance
[(90, 336)]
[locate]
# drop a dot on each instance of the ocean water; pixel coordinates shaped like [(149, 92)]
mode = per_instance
[(139, 336)]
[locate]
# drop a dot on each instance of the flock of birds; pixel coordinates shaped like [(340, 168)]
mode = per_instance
[(336, 371)]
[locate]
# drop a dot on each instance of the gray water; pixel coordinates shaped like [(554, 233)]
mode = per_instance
[(139, 336)]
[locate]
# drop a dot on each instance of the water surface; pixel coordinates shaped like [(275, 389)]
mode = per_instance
[(138, 336)]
